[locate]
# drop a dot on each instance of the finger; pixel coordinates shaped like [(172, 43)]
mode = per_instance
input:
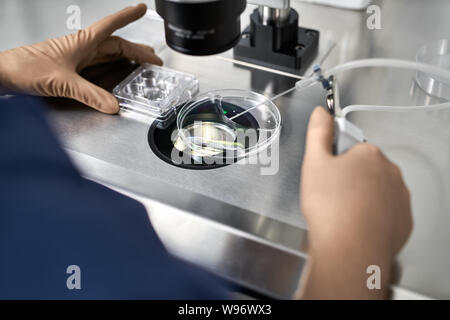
[(372, 151), (320, 136), (106, 26), (146, 47), (91, 95), (115, 48)]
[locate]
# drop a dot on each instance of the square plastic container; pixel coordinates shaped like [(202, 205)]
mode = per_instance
[(152, 92)]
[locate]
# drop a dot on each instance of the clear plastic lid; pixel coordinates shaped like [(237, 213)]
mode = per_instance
[(155, 91), (228, 124), (436, 54)]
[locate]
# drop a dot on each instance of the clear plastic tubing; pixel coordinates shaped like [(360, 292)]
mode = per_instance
[(385, 63)]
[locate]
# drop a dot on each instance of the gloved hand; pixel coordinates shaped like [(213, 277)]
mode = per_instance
[(50, 68)]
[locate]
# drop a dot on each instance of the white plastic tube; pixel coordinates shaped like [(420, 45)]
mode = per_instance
[(390, 63), (434, 107), (385, 63)]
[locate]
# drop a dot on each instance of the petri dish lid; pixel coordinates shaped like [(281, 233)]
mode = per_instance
[(207, 124), (437, 54)]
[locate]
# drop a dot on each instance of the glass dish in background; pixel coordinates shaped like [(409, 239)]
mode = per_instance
[(154, 92), (436, 54)]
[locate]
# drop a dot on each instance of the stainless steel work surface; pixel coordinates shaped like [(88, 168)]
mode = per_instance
[(233, 220)]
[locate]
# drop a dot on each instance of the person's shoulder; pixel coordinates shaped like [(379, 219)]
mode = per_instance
[(26, 136), (22, 103)]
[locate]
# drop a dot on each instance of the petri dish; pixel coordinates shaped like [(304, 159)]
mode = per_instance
[(437, 54), (208, 127)]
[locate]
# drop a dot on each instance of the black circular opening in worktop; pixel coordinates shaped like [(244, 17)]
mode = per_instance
[(161, 140)]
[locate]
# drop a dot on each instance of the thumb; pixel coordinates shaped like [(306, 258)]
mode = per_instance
[(92, 95), (320, 136)]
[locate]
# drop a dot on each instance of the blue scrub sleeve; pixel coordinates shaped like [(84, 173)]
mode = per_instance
[(51, 218)]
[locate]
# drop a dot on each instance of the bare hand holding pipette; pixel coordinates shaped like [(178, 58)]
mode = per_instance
[(358, 212)]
